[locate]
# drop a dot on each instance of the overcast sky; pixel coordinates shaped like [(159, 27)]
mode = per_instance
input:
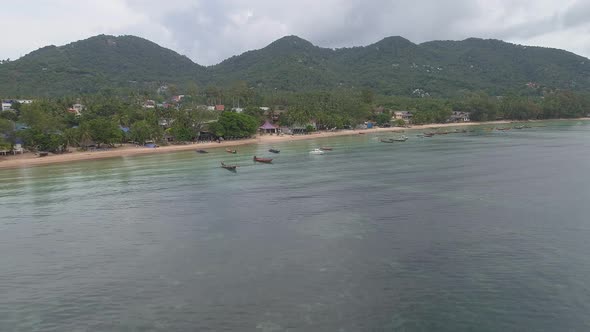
[(208, 31)]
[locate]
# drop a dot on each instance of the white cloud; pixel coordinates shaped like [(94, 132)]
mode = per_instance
[(210, 31)]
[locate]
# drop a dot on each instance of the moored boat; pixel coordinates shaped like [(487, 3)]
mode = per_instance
[(231, 151), (202, 151), (229, 167), (326, 148), (386, 140), (316, 151), (274, 150), (263, 160), (402, 138)]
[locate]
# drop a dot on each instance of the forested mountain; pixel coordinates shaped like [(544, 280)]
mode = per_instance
[(392, 66), (98, 63)]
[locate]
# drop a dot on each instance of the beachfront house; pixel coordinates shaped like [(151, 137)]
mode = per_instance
[(268, 128), (459, 117), (403, 115), (6, 106)]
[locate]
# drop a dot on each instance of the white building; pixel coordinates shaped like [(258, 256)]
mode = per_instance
[(6, 106)]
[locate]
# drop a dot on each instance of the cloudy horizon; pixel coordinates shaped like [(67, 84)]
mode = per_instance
[(209, 32)]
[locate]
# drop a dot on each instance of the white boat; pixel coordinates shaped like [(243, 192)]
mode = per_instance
[(316, 151)]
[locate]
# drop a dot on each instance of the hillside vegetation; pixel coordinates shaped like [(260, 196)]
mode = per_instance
[(392, 66)]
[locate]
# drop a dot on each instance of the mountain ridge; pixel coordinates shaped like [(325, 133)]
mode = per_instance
[(392, 65)]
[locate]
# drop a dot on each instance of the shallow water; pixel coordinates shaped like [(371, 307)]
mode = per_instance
[(483, 231)]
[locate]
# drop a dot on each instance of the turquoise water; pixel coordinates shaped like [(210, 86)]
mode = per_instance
[(485, 231)]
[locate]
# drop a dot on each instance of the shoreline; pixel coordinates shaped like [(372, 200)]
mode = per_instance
[(30, 160)]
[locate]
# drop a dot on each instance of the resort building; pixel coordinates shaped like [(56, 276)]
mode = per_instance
[(459, 117), (403, 115)]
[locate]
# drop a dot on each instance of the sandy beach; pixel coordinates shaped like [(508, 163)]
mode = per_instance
[(30, 159)]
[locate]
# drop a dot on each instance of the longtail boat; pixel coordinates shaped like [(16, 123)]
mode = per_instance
[(263, 160), (326, 148), (274, 151), (231, 151), (386, 140), (402, 138), (229, 167), (202, 151)]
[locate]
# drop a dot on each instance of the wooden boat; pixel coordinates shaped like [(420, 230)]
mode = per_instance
[(503, 129), (428, 134), (326, 148), (263, 160), (229, 167), (274, 151), (518, 127), (231, 151), (362, 133), (202, 151), (386, 140), (400, 139)]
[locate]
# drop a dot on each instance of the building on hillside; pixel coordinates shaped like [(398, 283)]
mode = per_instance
[(149, 104), (403, 115), (24, 101), (237, 109), (379, 110), (220, 108), (210, 108), (76, 109), (6, 106), (177, 99), (459, 117)]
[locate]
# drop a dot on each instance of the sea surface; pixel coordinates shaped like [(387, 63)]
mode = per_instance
[(479, 231)]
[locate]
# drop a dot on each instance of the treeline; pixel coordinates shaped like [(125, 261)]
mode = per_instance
[(47, 125)]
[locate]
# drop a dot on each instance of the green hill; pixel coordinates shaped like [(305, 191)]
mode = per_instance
[(94, 64), (392, 66)]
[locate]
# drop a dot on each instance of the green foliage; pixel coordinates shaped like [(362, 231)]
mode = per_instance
[(255, 112), (142, 131), (309, 129), (9, 115), (399, 123), (232, 124), (6, 128), (102, 131), (383, 118), (393, 66), (35, 139)]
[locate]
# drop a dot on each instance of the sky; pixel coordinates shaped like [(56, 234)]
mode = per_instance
[(209, 31)]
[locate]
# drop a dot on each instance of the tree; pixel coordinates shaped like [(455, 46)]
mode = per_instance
[(6, 128), (9, 115), (142, 131), (102, 131), (383, 118), (232, 124), (367, 96)]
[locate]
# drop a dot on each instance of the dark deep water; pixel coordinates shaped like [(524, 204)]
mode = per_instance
[(487, 231)]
